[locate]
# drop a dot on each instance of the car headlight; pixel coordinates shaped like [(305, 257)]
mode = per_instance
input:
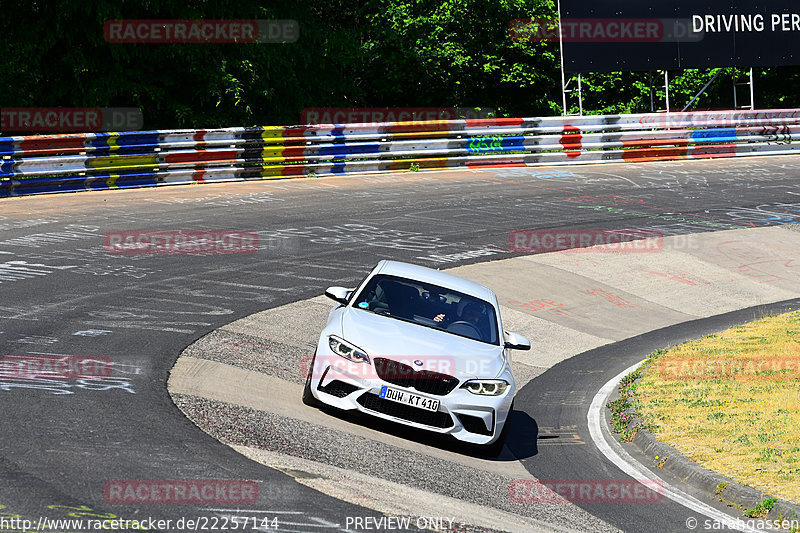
[(347, 350), (486, 387)]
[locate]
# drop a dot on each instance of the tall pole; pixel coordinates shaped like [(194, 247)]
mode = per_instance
[(561, 52)]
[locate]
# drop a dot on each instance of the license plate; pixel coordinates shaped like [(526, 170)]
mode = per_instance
[(405, 397)]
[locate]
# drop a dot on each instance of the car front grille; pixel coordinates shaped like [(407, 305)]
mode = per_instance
[(437, 419), (405, 376)]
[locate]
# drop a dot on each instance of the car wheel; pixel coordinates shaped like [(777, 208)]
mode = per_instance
[(496, 448), (308, 397)]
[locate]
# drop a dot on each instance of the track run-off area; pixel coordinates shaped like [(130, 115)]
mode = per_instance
[(250, 319)]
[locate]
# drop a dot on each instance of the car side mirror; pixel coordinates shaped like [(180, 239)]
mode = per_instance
[(517, 342), (338, 294)]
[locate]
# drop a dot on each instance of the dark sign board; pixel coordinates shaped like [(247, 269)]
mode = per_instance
[(627, 35)]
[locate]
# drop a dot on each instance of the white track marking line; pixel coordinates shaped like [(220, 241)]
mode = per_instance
[(625, 462)]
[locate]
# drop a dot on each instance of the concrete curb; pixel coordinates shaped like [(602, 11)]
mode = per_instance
[(701, 478)]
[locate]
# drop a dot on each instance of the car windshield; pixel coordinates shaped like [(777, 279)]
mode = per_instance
[(431, 306)]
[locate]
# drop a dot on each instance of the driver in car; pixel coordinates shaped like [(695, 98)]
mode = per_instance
[(472, 314)]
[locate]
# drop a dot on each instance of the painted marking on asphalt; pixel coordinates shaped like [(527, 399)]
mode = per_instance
[(598, 427), (574, 398), (21, 270), (558, 436), (36, 339), (91, 332), (246, 285)]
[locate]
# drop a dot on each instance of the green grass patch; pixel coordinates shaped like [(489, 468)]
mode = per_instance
[(729, 401)]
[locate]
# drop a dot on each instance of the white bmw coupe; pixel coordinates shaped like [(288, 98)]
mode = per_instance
[(418, 347)]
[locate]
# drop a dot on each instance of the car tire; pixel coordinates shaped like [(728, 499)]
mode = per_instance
[(308, 397), (496, 448)]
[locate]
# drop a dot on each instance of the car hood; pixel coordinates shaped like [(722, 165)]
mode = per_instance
[(382, 336)]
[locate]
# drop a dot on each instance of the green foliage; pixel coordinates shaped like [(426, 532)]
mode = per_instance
[(642, 92), (459, 53), (762, 509), (624, 419), (60, 58), (373, 53)]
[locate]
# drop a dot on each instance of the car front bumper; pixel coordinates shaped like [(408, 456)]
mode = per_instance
[(468, 417)]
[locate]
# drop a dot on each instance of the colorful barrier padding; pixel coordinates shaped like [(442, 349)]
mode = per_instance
[(76, 162)]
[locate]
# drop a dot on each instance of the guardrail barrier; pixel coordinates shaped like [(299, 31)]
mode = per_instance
[(89, 161)]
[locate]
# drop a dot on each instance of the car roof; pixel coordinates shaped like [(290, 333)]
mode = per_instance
[(436, 277)]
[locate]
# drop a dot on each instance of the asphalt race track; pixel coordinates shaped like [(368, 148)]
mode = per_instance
[(61, 293), (594, 367)]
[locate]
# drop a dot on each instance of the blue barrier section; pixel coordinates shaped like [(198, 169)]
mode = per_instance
[(727, 134), (495, 144), (351, 149), (40, 186), (7, 168)]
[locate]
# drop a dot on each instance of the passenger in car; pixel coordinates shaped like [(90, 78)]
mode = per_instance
[(401, 299)]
